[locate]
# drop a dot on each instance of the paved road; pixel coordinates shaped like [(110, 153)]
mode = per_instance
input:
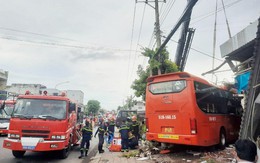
[(6, 155)]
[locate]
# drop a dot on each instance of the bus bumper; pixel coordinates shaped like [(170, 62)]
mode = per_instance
[(34, 144), (173, 138)]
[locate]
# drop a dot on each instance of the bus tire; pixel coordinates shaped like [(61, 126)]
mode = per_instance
[(222, 139), (18, 154)]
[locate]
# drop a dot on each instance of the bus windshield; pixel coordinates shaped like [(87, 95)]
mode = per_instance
[(167, 87), (44, 109)]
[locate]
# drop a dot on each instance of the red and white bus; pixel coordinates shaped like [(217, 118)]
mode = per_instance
[(185, 109)]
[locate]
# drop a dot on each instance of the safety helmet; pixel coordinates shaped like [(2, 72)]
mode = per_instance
[(134, 118)]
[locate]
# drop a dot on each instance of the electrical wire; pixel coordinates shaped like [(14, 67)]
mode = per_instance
[(64, 45), (38, 34), (204, 16), (199, 51), (140, 31), (163, 19), (131, 43)]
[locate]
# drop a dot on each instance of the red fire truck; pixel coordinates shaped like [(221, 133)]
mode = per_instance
[(5, 113), (43, 123)]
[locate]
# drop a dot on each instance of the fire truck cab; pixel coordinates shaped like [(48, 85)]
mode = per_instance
[(43, 123)]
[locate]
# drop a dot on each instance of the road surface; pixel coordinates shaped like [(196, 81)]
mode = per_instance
[(6, 155)]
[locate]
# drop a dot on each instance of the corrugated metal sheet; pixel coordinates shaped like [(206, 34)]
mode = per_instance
[(239, 40)]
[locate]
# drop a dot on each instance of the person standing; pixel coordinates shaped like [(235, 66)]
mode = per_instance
[(133, 143), (101, 131), (123, 130), (135, 128), (111, 130), (86, 137), (246, 151)]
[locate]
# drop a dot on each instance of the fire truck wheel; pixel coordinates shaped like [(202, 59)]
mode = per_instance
[(65, 152), (222, 139), (18, 154)]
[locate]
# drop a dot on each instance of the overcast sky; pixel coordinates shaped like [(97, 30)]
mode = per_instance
[(95, 44)]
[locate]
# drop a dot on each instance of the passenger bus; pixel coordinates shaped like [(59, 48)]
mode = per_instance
[(5, 115), (185, 109)]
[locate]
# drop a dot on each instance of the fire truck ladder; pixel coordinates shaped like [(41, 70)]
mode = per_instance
[(250, 124)]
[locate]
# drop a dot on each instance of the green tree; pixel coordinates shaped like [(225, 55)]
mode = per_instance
[(139, 85), (165, 66), (102, 111), (93, 106)]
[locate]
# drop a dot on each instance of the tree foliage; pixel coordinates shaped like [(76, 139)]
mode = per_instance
[(129, 103), (93, 106), (139, 85), (157, 65)]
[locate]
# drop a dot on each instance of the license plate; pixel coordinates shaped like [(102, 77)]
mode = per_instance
[(168, 129), (167, 136), (29, 147)]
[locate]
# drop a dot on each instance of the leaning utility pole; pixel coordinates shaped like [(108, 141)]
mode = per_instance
[(157, 29)]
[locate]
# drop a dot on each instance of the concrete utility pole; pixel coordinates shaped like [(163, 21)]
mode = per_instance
[(157, 26)]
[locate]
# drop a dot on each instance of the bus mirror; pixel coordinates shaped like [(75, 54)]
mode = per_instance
[(72, 107)]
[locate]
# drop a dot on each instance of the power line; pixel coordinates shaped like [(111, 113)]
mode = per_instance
[(140, 31), (199, 51), (64, 45), (163, 19), (131, 43), (38, 34), (204, 16)]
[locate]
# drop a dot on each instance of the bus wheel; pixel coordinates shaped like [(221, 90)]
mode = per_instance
[(222, 139), (18, 154)]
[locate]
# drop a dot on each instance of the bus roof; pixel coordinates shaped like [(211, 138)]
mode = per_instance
[(181, 75)]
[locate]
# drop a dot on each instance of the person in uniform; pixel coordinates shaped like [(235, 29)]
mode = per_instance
[(135, 127), (86, 137), (101, 131), (111, 130), (132, 141), (123, 130)]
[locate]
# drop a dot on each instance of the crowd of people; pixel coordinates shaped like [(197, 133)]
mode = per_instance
[(130, 132)]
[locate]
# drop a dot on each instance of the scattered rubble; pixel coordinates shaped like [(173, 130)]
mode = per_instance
[(147, 151)]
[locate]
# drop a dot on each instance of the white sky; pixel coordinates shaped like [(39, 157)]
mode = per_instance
[(88, 42)]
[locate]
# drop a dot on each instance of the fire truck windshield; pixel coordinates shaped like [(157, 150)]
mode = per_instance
[(38, 108)]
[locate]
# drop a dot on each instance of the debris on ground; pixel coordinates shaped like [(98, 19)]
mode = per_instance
[(146, 151), (193, 153), (165, 151)]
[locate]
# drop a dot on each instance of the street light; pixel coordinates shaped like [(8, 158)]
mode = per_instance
[(61, 83)]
